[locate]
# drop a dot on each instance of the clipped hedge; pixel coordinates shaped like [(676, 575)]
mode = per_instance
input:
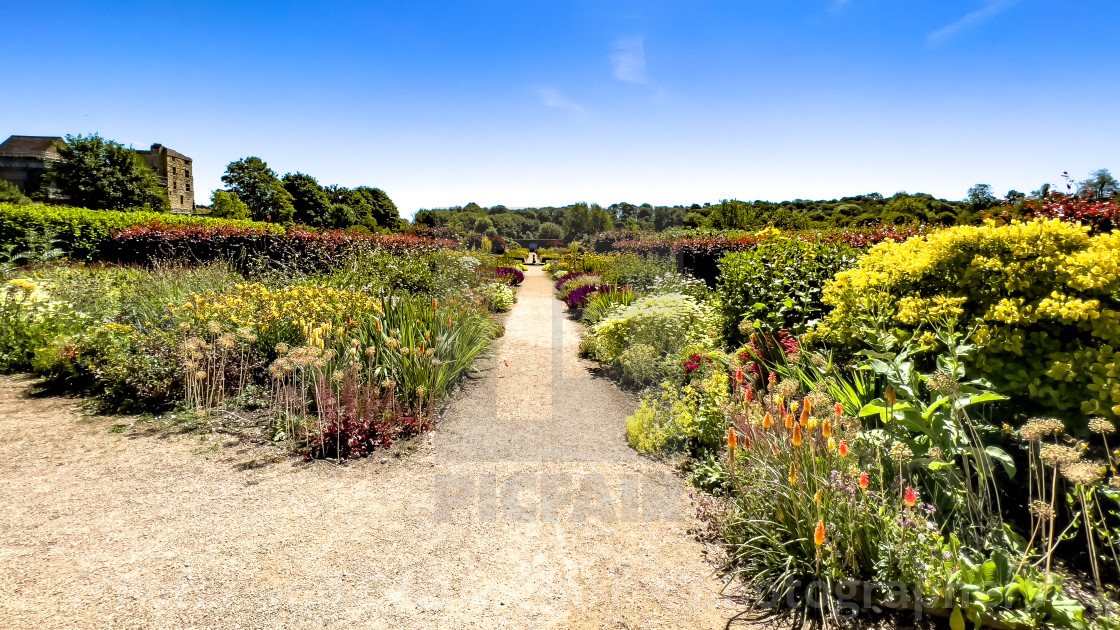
[(1041, 299), (142, 238), (778, 285), (83, 233)]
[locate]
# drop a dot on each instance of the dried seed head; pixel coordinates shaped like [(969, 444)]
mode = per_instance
[(1102, 426), (934, 453), (227, 341), (1042, 509), (1037, 428), (184, 326), (282, 348), (1114, 482), (213, 326), (901, 453), (200, 375), (1083, 472), (1058, 455), (338, 375)]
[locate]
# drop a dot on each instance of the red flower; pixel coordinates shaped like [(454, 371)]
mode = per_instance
[(748, 395), (844, 449), (910, 498), (864, 480), (838, 409), (773, 378)]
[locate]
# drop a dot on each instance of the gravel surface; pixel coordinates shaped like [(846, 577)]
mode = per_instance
[(525, 509)]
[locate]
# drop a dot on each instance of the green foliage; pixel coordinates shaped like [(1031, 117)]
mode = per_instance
[(310, 201), (498, 296), (1041, 297), (641, 273), (259, 188), (101, 174), (603, 302), (777, 285), (550, 231), (227, 205), (666, 322), (10, 193), (688, 417), (81, 232)]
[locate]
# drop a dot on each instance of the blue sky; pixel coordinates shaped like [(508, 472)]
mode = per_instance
[(547, 103)]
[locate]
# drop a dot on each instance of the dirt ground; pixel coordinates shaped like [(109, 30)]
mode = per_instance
[(524, 509)]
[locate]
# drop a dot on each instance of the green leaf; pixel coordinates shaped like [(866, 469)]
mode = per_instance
[(956, 620), (1002, 457)]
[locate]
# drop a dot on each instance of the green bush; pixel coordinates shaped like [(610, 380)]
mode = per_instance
[(666, 322), (498, 296), (688, 417), (777, 285), (603, 302), (83, 232), (1039, 300)]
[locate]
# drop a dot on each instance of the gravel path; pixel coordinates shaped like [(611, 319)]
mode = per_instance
[(526, 509)]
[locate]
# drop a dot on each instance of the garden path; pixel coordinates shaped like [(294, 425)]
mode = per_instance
[(101, 530)]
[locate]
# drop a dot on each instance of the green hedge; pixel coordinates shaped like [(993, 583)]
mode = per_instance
[(81, 232)]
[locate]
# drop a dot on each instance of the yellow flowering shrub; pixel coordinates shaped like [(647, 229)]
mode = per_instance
[(288, 308), (1042, 296)]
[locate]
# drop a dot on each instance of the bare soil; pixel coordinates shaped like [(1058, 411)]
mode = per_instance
[(525, 509)]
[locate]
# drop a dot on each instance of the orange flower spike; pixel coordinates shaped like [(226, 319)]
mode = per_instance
[(797, 437), (808, 405), (864, 480), (839, 409), (818, 535), (844, 448), (805, 413), (793, 473), (789, 421), (826, 428), (890, 396), (748, 395), (767, 421), (739, 376), (773, 378), (910, 498), (732, 440)]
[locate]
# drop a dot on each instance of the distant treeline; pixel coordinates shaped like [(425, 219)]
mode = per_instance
[(579, 220)]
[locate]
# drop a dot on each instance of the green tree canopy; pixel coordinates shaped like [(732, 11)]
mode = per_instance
[(550, 231), (1101, 184), (10, 193), (227, 205), (258, 187), (309, 200), (981, 197), (93, 172)]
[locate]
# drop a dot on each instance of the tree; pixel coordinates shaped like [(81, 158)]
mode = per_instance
[(227, 205), (309, 200), (10, 193), (93, 172), (259, 188), (599, 220), (1101, 185), (981, 197), (1014, 197), (549, 231), (483, 224), (577, 222)]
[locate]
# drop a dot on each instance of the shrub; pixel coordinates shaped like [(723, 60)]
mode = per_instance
[(30, 319), (601, 303), (578, 281), (667, 323), (510, 275), (637, 272), (85, 232), (1038, 298), (689, 417), (497, 296), (777, 285)]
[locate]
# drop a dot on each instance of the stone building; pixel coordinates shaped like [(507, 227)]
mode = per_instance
[(175, 172), (24, 160)]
